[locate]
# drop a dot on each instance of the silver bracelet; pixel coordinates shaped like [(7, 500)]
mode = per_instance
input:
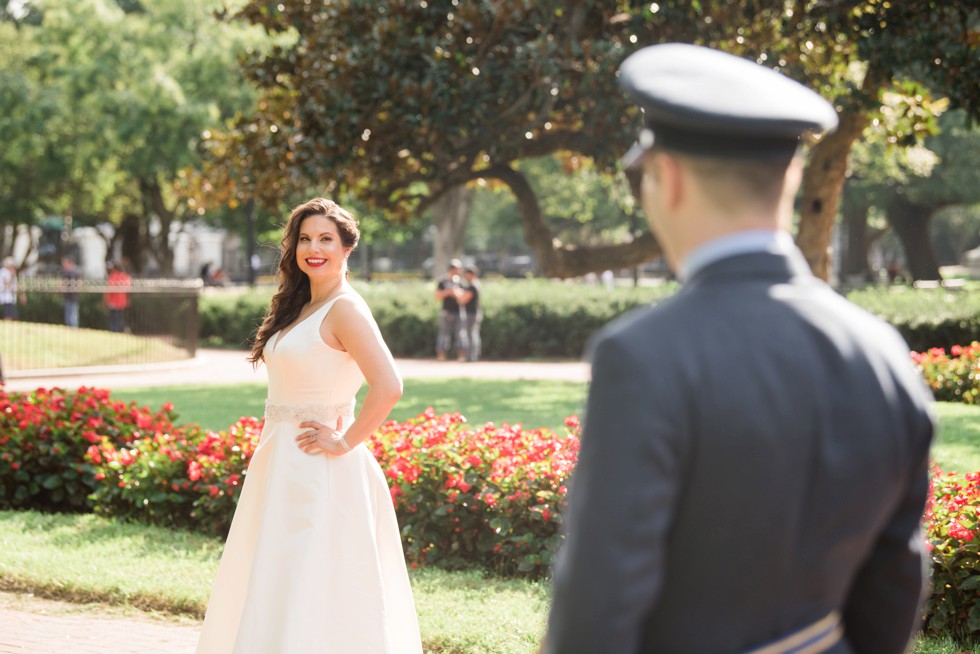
[(343, 444)]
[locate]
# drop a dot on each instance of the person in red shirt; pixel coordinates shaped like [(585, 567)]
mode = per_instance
[(117, 301)]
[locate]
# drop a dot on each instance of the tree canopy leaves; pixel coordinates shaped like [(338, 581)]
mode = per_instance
[(104, 103)]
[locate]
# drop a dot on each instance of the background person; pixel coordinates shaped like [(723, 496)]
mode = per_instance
[(71, 278), (218, 278), (450, 316), (469, 300), (314, 562), (8, 288), (754, 458), (117, 300)]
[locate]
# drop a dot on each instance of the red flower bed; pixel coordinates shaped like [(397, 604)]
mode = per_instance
[(44, 436), (952, 525), (466, 495), (953, 377), (477, 495), (183, 477)]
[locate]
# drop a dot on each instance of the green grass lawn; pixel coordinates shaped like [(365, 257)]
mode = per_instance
[(957, 444), (532, 403), (85, 558), (34, 346)]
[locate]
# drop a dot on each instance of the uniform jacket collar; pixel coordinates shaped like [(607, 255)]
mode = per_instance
[(777, 267)]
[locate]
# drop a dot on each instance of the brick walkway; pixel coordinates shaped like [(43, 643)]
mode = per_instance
[(29, 625)]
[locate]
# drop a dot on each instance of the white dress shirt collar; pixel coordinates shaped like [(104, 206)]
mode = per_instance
[(756, 240)]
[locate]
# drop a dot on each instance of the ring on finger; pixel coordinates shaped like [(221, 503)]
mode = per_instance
[(313, 437)]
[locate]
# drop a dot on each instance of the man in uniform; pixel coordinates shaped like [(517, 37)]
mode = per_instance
[(754, 458)]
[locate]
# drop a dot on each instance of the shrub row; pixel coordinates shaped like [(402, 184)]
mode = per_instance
[(538, 318), (522, 319), (926, 317), (148, 313)]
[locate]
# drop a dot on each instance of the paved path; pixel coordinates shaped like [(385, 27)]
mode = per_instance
[(230, 367), (30, 625)]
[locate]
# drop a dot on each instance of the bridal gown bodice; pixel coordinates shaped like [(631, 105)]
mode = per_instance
[(313, 563), (304, 370)]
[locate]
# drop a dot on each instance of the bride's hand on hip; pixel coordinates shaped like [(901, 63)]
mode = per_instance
[(321, 439)]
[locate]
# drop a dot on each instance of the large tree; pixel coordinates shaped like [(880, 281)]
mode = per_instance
[(402, 101), (954, 181), (431, 97)]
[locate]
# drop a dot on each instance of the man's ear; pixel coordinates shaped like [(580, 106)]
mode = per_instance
[(672, 180)]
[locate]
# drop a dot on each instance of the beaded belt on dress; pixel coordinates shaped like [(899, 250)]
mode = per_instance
[(300, 412)]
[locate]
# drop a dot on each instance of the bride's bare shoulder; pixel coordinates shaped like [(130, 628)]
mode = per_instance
[(351, 304)]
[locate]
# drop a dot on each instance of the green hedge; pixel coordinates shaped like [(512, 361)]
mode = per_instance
[(231, 319), (542, 319), (522, 319), (927, 317)]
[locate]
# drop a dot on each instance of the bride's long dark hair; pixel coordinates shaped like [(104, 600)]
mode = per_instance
[(294, 285)]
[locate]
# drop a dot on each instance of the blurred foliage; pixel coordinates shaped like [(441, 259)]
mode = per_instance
[(943, 172), (432, 95), (546, 319), (102, 105), (926, 317)]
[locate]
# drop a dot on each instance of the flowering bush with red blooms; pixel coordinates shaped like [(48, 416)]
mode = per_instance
[(216, 472), (467, 495), (185, 477), (44, 435), (953, 377), (952, 526)]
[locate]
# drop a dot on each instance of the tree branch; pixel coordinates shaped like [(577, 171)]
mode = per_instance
[(556, 259)]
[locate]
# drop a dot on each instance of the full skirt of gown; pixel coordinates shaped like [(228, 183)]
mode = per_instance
[(313, 563)]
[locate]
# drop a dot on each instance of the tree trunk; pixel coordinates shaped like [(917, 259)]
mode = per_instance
[(449, 215), (824, 176), (558, 260), (911, 224), (130, 233), (822, 183), (161, 249), (854, 258), (367, 261)]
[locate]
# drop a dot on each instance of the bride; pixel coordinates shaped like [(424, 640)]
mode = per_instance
[(313, 563)]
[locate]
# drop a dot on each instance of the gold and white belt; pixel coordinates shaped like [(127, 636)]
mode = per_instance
[(327, 413)]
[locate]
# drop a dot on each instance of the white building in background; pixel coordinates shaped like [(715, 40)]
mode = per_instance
[(196, 246), (91, 252), (193, 246)]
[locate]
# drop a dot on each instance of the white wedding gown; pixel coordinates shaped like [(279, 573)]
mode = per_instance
[(313, 563)]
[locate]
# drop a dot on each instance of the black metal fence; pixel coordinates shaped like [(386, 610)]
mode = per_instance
[(159, 323)]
